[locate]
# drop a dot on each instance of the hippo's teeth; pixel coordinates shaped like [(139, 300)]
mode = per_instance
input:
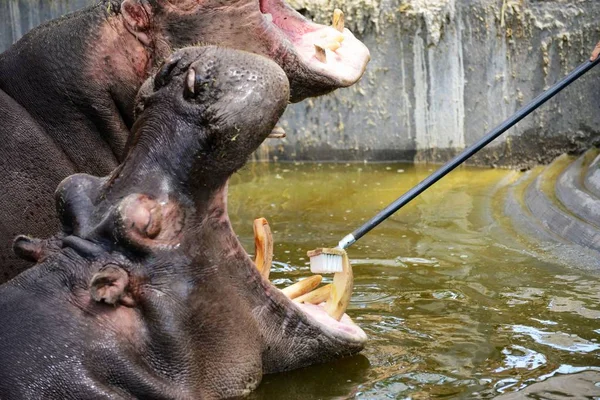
[(341, 291), (263, 246), (302, 287), (317, 296), (269, 17), (320, 53), (277, 133), (191, 80), (333, 45), (338, 20)]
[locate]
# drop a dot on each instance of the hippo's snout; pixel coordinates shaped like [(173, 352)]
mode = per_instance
[(248, 87)]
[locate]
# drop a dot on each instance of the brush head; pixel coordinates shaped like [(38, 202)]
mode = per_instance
[(326, 261)]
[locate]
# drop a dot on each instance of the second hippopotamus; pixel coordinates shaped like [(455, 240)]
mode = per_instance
[(147, 292)]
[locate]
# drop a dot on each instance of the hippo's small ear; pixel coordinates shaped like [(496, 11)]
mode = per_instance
[(110, 285), (137, 15), (29, 249), (75, 202)]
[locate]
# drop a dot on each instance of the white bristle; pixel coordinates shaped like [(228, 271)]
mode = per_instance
[(326, 263)]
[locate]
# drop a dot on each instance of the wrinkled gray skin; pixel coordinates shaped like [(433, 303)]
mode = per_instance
[(67, 91), (147, 292)]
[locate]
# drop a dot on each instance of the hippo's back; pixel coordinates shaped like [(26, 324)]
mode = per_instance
[(31, 167)]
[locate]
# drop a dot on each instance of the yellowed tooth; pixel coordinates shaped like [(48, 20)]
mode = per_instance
[(191, 80), (302, 287), (277, 133), (320, 53), (263, 246), (333, 45), (338, 20), (317, 296), (341, 290)]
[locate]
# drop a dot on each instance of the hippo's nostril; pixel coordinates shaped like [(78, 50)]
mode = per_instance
[(164, 74)]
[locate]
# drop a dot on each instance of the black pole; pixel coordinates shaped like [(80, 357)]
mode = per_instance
[(467, 153)]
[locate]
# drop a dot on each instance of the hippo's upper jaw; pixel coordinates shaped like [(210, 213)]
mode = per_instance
[(331, 55), (160, 298), (316, 58)]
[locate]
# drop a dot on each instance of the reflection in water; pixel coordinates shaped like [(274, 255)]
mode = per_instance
[(557, 340), (454, 303)]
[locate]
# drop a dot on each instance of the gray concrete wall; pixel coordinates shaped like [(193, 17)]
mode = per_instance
[(17, 17), (443, 72)]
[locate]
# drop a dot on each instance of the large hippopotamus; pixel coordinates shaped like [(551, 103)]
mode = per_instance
[(67, 88), (147, 292)]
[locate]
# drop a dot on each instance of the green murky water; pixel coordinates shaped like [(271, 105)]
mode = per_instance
[(454, 304)]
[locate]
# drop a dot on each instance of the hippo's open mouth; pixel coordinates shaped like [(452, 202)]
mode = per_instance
[(323, 307), (329, 51)]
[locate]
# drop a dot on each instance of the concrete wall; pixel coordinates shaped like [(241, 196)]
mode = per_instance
[(443, 72), (17, 17)]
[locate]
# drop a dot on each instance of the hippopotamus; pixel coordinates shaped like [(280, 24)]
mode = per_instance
[(67, 88), (146, 292)]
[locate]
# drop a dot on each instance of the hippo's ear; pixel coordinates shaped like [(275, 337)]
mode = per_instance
[(110, 285), (137, 15), (29, 249), (75, 202)]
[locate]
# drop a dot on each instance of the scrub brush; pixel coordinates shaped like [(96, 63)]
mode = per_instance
[(328, 260)]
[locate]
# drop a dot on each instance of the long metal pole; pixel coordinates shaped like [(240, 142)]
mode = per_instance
[(466, 154)]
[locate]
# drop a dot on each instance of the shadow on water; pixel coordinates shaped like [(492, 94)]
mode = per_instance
[(455, 303), (335, 380)]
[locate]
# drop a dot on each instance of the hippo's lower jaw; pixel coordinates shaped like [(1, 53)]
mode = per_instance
[(333, 56), (344, 329)]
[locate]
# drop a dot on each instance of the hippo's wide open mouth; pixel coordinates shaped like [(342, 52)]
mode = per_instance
[(330, 51), (323, 306)]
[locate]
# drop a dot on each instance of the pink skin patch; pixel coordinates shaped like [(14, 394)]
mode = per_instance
[(345, 65), (344, 327)]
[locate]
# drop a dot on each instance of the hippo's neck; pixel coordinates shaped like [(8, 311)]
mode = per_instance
[(168, 155), (171, 163), (78, 77)]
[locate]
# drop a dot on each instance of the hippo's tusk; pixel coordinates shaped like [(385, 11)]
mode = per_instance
[(302, 287), (341, 290), (277, 133), (320, 53), (263, 247), (191, 80), (338, 20), (317, 296), (332, 45)]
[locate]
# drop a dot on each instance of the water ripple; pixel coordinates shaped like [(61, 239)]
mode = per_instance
[(557, 340)]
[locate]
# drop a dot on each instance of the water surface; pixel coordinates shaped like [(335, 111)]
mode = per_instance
[(456, 304)]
